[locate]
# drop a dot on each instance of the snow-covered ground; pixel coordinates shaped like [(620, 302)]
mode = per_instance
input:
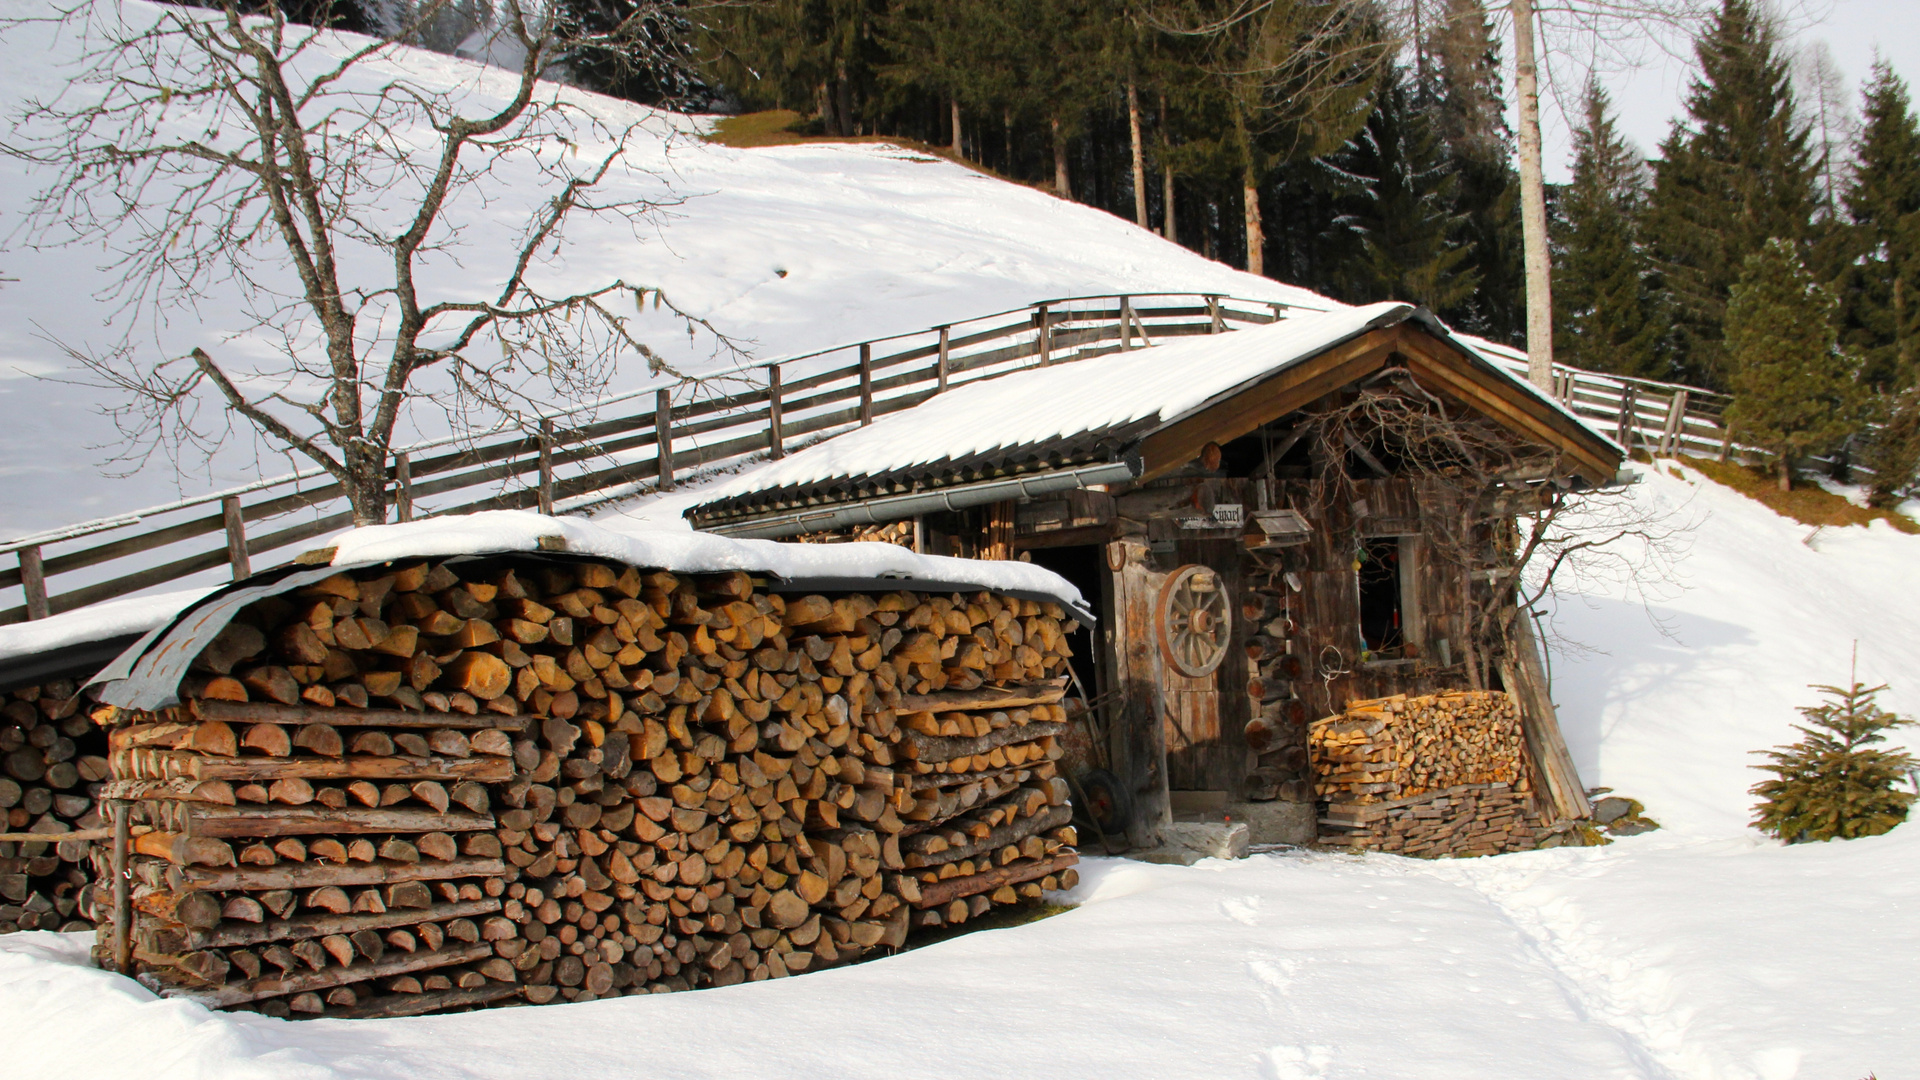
[(783, 249), (1699, 952)]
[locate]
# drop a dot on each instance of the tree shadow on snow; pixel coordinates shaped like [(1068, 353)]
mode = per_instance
[(1606, 655)]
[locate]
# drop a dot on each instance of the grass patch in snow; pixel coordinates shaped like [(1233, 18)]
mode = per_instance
[(785, 127), (1808, 504)]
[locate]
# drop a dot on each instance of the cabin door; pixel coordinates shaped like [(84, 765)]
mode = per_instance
[(1192, 624)]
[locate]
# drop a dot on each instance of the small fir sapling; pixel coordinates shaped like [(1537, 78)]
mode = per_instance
[(1833, 783)]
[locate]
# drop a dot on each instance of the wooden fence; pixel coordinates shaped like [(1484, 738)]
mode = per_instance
[(653, 438)]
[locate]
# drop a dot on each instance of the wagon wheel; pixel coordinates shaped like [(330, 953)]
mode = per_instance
[(1194, 619)]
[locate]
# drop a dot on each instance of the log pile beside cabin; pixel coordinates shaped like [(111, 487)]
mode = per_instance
[(433, 785), (51, 763), (1437, 775)]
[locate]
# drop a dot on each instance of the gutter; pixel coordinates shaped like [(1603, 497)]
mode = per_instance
[(901, 507)]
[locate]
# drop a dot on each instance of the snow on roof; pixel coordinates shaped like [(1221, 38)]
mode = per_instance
[(96, 622), (1052, 403), (148, 674)]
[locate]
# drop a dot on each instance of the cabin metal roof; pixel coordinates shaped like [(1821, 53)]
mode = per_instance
[(1117, 406)]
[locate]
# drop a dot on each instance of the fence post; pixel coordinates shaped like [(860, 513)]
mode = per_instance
[(946, 337), (33, 581), (1045, 339), (775, 444), (1676, 417), (1629, 418), (546, 466), (236, 537), (403, 485), (1214, 324), (663, 437), (1279, 311), (1126, 326), (866, 383)]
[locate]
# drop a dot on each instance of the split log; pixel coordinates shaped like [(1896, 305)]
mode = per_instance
[(945, 892)]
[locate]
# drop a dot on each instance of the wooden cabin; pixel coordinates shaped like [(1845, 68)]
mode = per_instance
[(1271, 526)]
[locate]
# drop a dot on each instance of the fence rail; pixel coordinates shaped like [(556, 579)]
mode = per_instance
[(656, 437)]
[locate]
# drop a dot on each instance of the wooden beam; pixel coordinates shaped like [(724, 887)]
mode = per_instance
[(1511, 406), (866, 384), (236, 527), (776, 448), (1292, 388)]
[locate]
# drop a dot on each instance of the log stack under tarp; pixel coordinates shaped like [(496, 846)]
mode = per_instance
[(438, 784), (51, 764), (1443, 774)]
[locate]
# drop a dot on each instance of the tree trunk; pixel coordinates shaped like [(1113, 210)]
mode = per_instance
[(957, 151), (1139, 157), (823, 105), (1256, 236), (1061, 186), (366, 486), (844, 95), (1166, 185), (1006, 137), (1783, 474), (1533, 203)]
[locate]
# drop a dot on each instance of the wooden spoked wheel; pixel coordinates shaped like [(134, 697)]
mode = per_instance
[(1195, 620)]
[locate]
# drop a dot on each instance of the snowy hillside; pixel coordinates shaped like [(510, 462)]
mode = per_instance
[(1699, 952), (783, 249)]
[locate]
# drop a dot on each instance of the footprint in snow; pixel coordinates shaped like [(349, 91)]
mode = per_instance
[(1297, 1062), (1245, 910), (1273, 974)]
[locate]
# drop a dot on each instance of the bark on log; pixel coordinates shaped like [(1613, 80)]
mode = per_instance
[(943, 892), (262, 712), (310, 875), (937, 748), (1043, 692)]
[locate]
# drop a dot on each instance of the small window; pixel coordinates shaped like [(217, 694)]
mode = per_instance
[(1381, 629)]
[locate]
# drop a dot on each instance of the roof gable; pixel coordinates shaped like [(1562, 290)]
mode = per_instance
[(1160, 404)]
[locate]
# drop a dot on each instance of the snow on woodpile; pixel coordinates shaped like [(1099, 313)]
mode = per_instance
[(434, 783), (1697, 952)]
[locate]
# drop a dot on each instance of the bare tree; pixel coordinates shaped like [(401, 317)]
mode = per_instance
[(335, 187), (1494, 509)]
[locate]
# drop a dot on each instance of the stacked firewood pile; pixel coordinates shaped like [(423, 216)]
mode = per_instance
[(1277, 734), (429, 786), (1444, 774), (899, 533), (51, 763)]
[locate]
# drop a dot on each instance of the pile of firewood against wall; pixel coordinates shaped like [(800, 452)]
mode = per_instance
[(1445, 774), (50, 763), (429, 786)]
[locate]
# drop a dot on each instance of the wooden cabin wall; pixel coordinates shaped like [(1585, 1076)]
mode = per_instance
[(1203, 721)]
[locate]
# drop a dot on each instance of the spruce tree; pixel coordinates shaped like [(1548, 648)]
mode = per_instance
[(1604, 318), (1891, 450), (1794, 389), (1883, 205), (1403, 225), (1832, 784), (1736, 172), (1463, 94)]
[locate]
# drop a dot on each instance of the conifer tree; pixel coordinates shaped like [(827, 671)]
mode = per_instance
[(1794, 389), (1603, 317), (1883, 204), (1462, 91), (1833, 784), (1891, 450), (1404, 226), (1736, 172)]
